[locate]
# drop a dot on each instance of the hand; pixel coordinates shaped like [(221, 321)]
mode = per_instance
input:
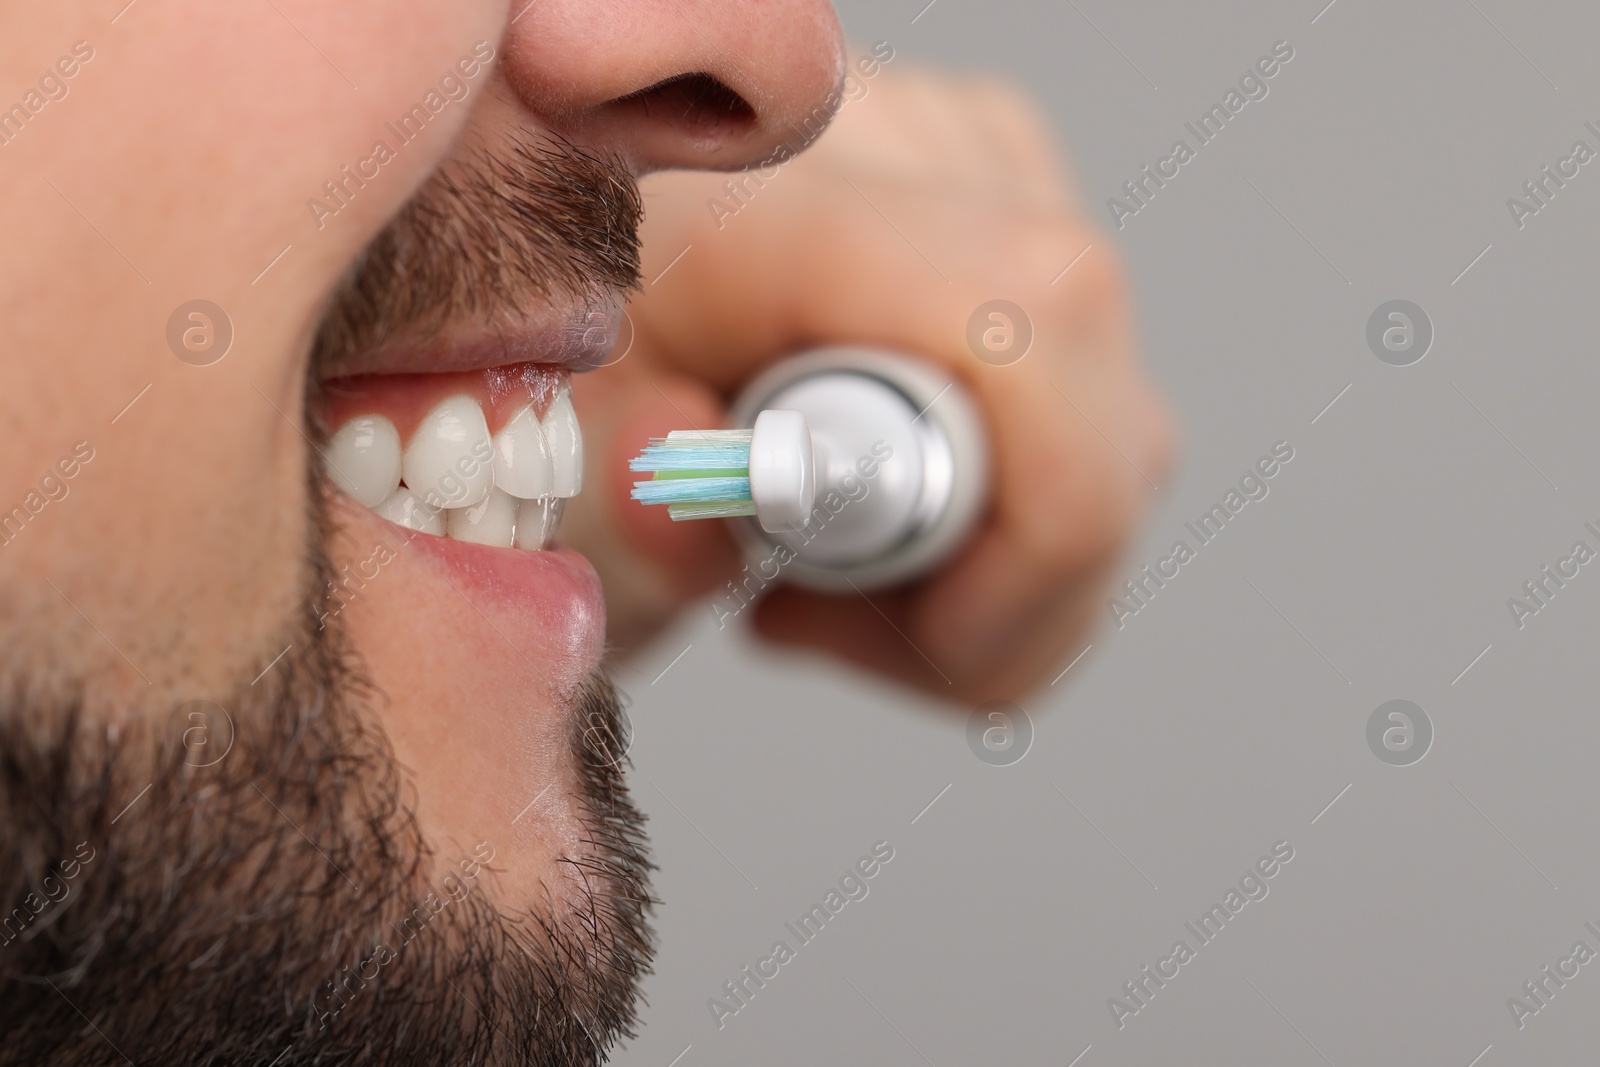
[(929, 196)]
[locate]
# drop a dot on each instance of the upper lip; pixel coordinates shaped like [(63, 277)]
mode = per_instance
[(577, 334)]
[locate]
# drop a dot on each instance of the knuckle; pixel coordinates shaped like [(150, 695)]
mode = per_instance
[(1162, 438), (1070, 281), (1071, 264), (1100, 278), (1089, 308), (1030, 258), (1075, 488), (1079, 497)]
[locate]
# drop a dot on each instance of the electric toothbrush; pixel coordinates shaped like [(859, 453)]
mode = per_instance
[(851, 467)]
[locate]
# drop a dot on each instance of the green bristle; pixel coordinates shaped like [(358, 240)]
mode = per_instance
[(720, 510), (714, 472)]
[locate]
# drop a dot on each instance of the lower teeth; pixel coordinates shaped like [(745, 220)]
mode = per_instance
[(538, 521), (405, 508), (501, 521)]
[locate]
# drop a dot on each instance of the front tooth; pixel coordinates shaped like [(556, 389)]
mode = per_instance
[(565, 439), (492, 522), (522, 462), (407, 509), (364, 459), (449, 460), (537, 521)]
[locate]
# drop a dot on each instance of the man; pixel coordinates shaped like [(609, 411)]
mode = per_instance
[(293, 771)]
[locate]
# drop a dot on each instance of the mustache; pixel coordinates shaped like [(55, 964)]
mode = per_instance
[(531, 218)]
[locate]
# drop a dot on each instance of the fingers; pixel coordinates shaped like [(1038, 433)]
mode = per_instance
[(867, 629), (894, 633), (1001, 622)]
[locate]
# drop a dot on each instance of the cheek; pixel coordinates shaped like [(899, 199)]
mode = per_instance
[(198, 495)]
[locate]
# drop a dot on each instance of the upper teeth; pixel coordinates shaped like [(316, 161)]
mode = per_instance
[(449, 459), (364, 459), (460, 482), (565, 439), (523, 465)]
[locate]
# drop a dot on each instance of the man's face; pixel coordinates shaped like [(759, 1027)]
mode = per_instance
[(344, 769)]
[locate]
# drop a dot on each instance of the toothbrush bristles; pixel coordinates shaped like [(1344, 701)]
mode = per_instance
[(695, 450), (699, 474), (728, 509), (692, 490)]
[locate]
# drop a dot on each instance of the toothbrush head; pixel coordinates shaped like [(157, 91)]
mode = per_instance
[(768, 471)]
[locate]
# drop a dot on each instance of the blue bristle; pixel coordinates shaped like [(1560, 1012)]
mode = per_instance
[(664, 456), (691, 490)]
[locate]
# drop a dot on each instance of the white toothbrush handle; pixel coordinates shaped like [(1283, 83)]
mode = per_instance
[(782, 470), (900, 467)]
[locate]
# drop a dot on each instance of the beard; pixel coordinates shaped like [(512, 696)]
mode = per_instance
[(245, 884)]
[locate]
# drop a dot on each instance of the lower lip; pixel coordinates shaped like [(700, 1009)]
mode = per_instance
[(544, 603)]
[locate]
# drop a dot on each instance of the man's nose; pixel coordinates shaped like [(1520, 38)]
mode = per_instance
[(678, 83)]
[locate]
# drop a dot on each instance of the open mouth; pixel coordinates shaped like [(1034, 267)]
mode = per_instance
[(473, 437), (457, 455), (488, 457)]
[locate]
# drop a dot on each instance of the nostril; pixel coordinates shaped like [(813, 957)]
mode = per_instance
[(697, 100)]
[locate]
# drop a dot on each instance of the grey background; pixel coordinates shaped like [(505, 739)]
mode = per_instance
[(1217, 723)]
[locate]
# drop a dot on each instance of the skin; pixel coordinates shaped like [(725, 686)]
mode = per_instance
[(179, 166)]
